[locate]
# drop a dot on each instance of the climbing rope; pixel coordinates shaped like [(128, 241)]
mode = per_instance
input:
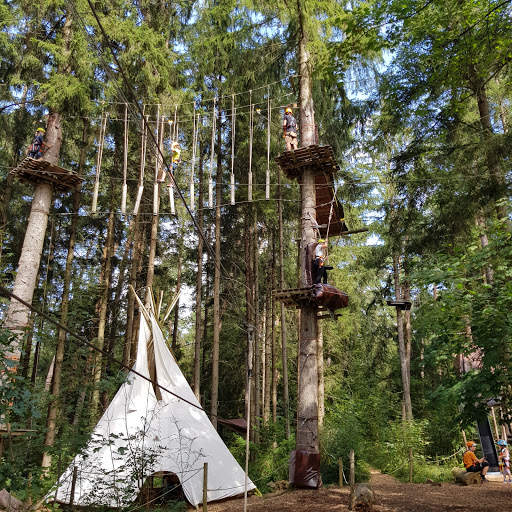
[(125, 161), (233, 126), (99, 156)]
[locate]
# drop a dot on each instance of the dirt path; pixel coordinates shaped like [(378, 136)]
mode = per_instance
[(390, 496)]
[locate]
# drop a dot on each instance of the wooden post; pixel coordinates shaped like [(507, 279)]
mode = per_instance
[(464, 437), (73, 485), (352, 473), (205, 487), (410, 465), (340, 465)]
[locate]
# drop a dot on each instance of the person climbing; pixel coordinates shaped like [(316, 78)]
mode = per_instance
[(504, 458), (290, 129), (176, 153), (319, 269), (38, 145), (472, 464)]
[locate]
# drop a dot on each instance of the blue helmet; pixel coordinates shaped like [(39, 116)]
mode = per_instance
[(502, 442)]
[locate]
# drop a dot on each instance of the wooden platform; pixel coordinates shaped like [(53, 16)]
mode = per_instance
[(320, 159), (400, 304), (293, 296), (38, 171)]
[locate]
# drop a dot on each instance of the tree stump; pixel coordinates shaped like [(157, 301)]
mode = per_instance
[(362, 498), (466, 478)]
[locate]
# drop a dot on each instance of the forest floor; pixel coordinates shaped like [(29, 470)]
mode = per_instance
[(390, 496)]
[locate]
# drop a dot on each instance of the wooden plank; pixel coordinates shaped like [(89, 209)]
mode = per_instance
[(37, 171)]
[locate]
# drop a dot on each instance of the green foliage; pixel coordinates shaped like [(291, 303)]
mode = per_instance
[(270, 459)]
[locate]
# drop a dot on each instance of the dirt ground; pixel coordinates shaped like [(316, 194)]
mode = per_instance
[(390, 496)]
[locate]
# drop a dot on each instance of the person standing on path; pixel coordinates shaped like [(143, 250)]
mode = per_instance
[(504, 457)]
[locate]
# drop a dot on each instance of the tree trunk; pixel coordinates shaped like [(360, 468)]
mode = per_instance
[(268, 336), (17, 315), (257, 330), (174, 344), (273, 347), (199, 283), (101, 307), (404, 361), (284, 356), (54, 406), (216, 282), (321, 381)]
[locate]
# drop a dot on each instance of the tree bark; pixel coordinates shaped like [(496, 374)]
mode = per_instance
[(199, 283), (404, 361), (17, 315), (284, 356), (101, 307), (216, 283), (55, 404), (307, 399)]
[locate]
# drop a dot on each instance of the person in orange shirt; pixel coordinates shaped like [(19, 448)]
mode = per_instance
[(472, 464)]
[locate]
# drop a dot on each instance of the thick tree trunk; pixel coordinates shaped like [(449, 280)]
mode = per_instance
[(249, 312), (199, 283), (17, 315), (404, 361), (321, 381), (55, 404)]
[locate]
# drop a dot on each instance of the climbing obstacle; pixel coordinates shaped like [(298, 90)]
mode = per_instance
[(38, 171)]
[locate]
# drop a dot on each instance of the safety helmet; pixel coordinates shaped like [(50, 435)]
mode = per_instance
[(502, 442), (469, 444), (288, 110), (175, 144), (321, 240), (41, 130)]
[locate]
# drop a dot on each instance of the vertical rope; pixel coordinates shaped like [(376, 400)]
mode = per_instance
[(125, 161), (157, 165), (269, 113), (194, 142), (233, 131), (99, 157), (144, 134), (249, 177), (210, 177), (175, 128)]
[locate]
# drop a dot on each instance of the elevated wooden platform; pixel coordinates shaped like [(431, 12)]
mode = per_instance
[(36, 171), (294, 296), (320, 160), (319, 295), (400, 304)]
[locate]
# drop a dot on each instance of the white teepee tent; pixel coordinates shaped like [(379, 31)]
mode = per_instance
[(139, 435)]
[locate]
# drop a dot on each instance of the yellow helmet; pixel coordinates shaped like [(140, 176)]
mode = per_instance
[(288, 110), (41, 130)]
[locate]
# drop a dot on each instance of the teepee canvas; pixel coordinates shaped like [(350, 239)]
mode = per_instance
[(143, 432)]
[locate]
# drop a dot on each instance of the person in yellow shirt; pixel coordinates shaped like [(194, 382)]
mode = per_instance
[(472, 463)]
